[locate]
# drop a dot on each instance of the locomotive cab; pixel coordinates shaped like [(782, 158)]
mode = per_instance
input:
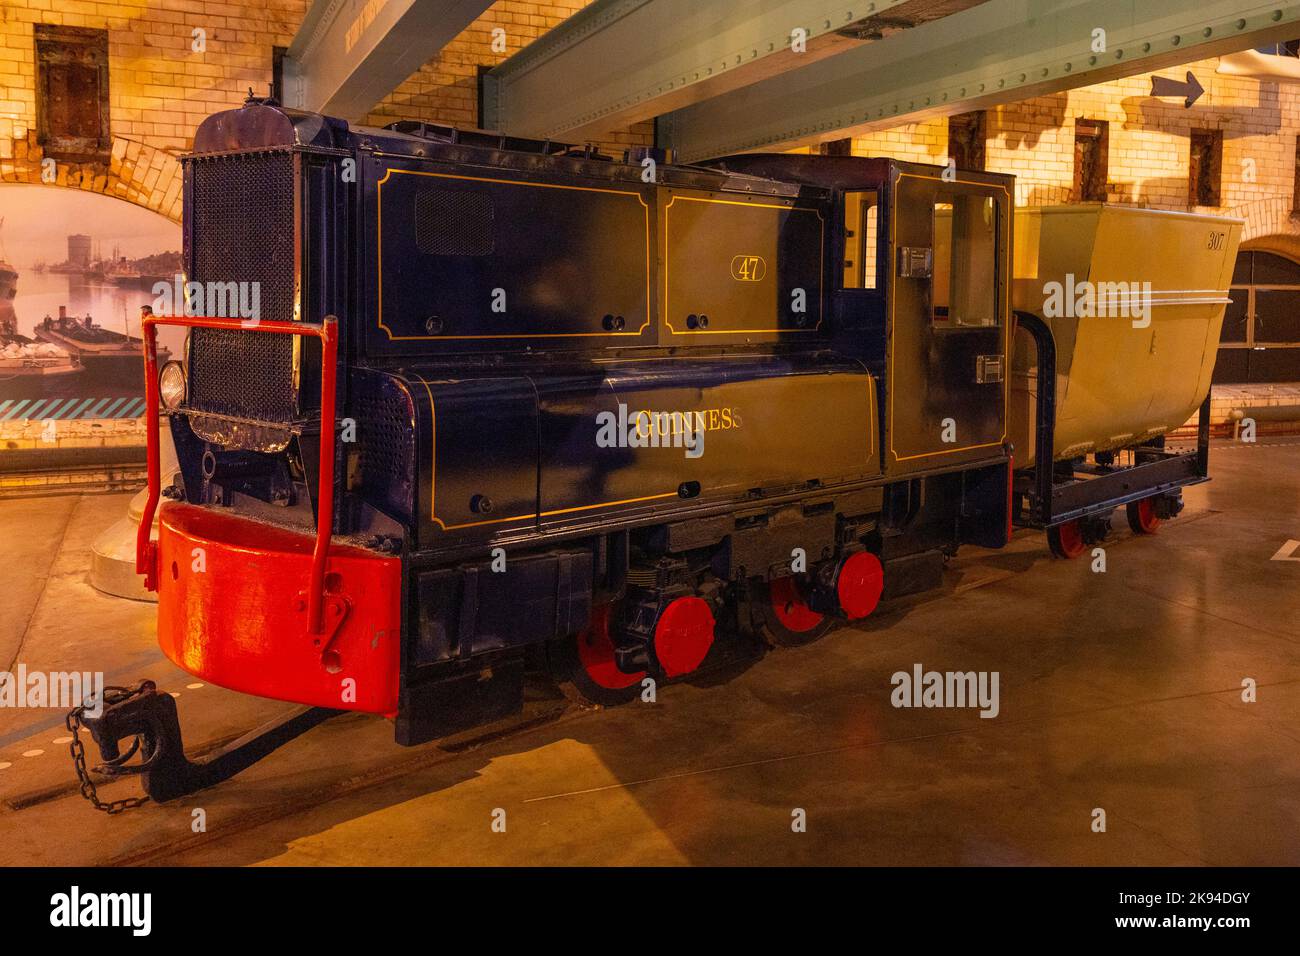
[(546, 413), (924, 292)]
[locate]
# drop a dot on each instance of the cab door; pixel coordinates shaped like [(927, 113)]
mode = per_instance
[(948, 320)]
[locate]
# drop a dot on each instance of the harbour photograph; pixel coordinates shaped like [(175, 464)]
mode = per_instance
[(75, 270)]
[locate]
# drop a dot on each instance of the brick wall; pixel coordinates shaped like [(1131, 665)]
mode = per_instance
[(33, 434), (1149, 146), (160, 89), (445, 90)]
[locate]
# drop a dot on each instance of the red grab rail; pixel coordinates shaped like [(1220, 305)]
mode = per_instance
[(146, 552)]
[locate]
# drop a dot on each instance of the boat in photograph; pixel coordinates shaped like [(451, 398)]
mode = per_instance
[(8, 291), (28, 368), (110, 358), (122, 273)]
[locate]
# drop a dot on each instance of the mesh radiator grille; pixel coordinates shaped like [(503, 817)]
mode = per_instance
[(386, 442), (242, 230)]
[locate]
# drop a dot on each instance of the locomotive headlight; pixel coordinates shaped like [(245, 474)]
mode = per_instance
[(171, 384)]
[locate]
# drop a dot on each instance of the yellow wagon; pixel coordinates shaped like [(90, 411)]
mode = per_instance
[(1134, 299), (1122, 308)]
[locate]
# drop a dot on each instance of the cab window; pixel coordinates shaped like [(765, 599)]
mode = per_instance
[(861, 227), (964, 282)]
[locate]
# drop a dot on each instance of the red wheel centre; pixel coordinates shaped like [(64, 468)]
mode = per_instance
[(596, 653), (789, 606), (1070, 535), (859, 584), (683, 635)]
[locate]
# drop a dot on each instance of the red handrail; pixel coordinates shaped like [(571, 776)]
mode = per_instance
[(146, 552)]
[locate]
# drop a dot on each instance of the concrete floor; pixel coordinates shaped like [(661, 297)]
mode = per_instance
[(1119, 691)]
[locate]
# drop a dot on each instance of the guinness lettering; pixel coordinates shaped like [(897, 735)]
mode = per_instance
[(665, 429)]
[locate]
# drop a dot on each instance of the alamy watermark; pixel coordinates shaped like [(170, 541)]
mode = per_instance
[(922, 688), (74, 908), (227, 300), (647, 429), (1083, 300), (59, 689)]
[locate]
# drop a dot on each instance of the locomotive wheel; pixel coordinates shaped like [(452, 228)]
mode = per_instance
[(1142, 517), (593, 676), (787, 620), (1066, 540)]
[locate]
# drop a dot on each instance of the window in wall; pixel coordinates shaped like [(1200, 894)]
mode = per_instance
[(964, 283), (72, 93), (1205, 167), (1091, 159), (483, 70), (277, 73), (861, 228), (1295, 189), (836, 147), (1289, 48), (966, 135)]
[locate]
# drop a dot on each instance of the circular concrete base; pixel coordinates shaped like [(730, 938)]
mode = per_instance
[(112, 566)]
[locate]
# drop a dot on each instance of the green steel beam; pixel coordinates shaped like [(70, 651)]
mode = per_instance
[(617, 62), (349, 54), (999, 52)]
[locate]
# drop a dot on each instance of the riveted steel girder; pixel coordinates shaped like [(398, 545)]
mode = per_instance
[(617, 62), (998, 52), (350, 54)]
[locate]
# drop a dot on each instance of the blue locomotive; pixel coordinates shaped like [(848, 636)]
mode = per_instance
[(512, 406)]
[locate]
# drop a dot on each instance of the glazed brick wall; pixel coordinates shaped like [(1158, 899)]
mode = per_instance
[(445, 90), (160, 90), (1149, 142)]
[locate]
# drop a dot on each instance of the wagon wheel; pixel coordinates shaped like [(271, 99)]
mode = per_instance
[(587, 672), (1142, 517), (786, 618), (1066, 540)]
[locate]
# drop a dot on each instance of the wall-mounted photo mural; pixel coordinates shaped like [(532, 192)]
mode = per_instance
[(75, 268)]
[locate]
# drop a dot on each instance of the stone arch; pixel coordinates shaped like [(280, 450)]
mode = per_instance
[(135, 172), (1268, 217), (1286, 246)]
